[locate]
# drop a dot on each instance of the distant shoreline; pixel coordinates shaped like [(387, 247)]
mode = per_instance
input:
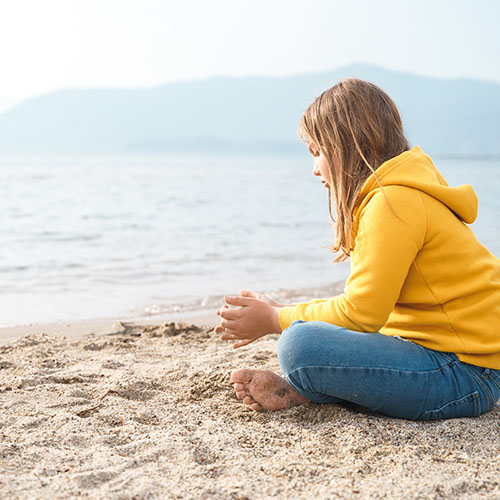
[(443, 116)]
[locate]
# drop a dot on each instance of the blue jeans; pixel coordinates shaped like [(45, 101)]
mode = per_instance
[(329, 364)]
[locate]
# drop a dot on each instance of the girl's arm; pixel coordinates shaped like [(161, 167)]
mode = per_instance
[(387, 242)]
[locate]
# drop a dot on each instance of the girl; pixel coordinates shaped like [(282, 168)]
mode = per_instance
[(416, 333)]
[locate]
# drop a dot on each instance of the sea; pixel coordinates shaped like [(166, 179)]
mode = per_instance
[(87, 236)]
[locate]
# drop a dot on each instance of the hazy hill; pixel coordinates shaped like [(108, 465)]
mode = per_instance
[(253, 114)]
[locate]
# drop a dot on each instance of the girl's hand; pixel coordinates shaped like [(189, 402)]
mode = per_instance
[(252, 320)]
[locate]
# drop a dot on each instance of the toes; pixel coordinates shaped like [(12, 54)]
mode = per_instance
[(241, 394), (248, 400), (242, 376), (241, 390)]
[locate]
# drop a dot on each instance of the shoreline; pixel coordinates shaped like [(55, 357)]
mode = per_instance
[(205, 316), (77, 329), (201, 312)]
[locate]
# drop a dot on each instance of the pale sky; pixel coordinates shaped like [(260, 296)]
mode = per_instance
[(47, 45)]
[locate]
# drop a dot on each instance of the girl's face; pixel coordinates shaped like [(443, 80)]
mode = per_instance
[(320, 168)]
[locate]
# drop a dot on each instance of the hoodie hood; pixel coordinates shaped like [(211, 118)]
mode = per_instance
[(415, 169)]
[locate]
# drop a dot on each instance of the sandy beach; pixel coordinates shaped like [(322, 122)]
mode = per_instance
[(148, 411)]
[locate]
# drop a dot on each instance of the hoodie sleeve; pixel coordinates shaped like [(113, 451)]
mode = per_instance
[(387, 242)]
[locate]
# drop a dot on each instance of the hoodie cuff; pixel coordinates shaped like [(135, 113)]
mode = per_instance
[(286, 317)]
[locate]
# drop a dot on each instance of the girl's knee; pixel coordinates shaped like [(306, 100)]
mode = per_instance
[(288, 345), (300, 344)]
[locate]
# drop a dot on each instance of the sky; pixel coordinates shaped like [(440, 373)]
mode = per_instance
[(54, 44)]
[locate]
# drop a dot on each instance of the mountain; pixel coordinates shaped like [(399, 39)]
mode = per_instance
[(251, 114)]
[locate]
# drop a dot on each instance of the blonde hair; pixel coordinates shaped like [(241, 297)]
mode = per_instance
[(357, 127)]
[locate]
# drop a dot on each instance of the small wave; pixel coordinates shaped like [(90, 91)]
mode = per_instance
[(212, 302)]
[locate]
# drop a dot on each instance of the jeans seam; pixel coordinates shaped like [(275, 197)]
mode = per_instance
[(481, 382), (494, 379), (374, 368)]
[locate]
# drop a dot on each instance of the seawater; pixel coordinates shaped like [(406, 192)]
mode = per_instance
[(100, 236)]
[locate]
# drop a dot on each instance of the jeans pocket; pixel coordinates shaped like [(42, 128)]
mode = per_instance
[(468, 406)]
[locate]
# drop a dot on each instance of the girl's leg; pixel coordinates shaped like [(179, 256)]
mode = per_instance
[(329, 364)]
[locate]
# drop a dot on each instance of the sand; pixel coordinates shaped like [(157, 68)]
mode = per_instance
[(76, 329), (149, 412)]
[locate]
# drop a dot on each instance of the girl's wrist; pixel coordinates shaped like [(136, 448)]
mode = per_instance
[(276, 319)]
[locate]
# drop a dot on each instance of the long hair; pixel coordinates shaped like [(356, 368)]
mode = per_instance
[(357, 127)]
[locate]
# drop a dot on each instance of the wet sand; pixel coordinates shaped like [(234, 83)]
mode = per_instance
[(148, 412)]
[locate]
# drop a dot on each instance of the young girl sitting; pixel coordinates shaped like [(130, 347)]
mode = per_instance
[(416, 333)]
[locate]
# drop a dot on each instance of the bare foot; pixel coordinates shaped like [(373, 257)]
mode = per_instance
[(265, 390)]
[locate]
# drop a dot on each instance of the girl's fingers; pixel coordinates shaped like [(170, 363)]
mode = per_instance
[(224, 306), (232, 335), (228, 324), (239, 301), (219, 329), (227, 313), (242, 343)]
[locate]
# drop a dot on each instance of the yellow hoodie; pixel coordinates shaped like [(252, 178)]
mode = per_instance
[(417, 270)]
